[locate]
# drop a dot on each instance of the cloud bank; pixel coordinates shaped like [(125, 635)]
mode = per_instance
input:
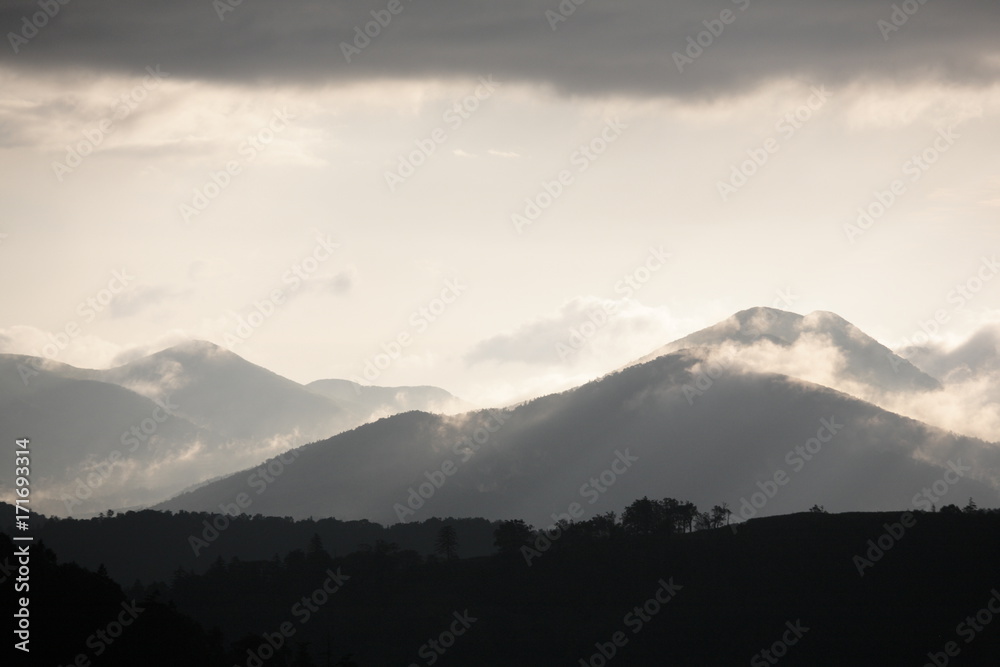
[(625, 47)]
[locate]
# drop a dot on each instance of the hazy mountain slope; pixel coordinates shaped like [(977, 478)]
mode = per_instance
[(221, 413), (804, 345), (970, 374), (226, 393), (712, 448), (76, 425), (366, 401), (977, 356)]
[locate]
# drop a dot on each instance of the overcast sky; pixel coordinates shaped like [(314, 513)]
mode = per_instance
[(631, 170)]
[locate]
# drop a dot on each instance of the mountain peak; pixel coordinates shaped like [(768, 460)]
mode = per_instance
[(766, 311), (198, 347), (864, 359), (762, 321)]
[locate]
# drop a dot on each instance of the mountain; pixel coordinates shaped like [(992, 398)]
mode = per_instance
[(229, 395), (820, 346), (976, 357), (82, 443), (376, 402), (970, 375), (927, 384), (156, 425), (651, 429)]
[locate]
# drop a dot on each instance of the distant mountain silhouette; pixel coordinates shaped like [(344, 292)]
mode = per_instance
[(976, 357), (696, 437), (373, 401), (201, 411)]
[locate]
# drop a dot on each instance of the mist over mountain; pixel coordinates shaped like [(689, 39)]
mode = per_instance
[(140, 432), (976, 357), (664, 427), (710, 417), (375, 401), (82, 427), (821, 344), (229, 220), (930, 384)]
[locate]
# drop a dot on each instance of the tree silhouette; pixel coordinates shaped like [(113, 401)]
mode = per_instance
[(720, 514), (315, 544), (381, 548), (510, 536), (640, 518), (688, 512), (447, 543)]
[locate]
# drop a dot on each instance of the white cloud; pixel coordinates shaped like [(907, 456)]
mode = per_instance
[(583, 330)]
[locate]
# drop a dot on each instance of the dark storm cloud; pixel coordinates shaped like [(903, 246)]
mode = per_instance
[(603, 46)]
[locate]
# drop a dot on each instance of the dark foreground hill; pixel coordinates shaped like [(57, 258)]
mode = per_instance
[(788, 585), (806, 589), (148, 545), (81, 618)]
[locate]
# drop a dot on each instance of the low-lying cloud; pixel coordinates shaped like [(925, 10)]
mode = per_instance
[(583, 330)]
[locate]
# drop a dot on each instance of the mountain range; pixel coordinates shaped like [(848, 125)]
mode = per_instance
[(138, 433), (768, 411), (702, 418)]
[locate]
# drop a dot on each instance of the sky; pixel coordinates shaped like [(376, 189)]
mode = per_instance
[(503, 199)]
